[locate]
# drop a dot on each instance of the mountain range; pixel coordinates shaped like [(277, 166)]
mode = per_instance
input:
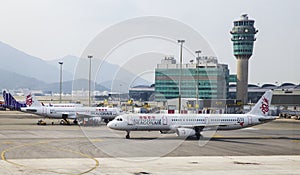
[(21, 70)]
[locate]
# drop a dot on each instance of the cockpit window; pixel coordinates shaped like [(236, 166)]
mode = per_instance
[(119, 119)]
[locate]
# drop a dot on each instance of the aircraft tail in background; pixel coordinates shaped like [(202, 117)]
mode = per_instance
[(262, 106), (11, 103), (31, 101)]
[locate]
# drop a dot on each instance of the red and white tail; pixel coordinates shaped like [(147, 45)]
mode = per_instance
[(31, 101), (263, 105)]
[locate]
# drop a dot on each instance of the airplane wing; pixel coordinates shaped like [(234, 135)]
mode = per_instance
[(198, 125), (201, 126)]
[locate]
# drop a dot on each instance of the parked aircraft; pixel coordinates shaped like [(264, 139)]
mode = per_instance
[(67, 111), (11, 103), (63, 105), (186, 125)]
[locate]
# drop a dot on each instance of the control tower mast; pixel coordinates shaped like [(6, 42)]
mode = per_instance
[(243, 38)]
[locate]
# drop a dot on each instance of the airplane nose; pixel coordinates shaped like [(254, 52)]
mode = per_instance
[(112, 125), (109, 124)]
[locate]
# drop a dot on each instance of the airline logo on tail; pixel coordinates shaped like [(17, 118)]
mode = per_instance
[(29, 100), (264, 105)]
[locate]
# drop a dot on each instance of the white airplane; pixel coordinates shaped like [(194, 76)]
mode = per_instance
[(186, 125), (68, 111), (63, 105), (104, 113)]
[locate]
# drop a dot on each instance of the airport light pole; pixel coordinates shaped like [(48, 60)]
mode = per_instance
[(60, 84), (120, 94), (197, 69), (180, 74), (90, 74)]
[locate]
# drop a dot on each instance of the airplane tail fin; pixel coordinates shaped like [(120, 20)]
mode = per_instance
[(10, 102), (31, 101), (262, 106)]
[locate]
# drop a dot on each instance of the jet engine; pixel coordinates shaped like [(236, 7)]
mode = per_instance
[(185, 132), (167, 132)]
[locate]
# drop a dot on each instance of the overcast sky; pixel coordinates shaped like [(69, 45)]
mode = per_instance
[(51, 29)]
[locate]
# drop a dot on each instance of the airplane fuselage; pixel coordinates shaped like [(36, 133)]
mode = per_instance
[(193, 124), (71, 112), (166, 122)]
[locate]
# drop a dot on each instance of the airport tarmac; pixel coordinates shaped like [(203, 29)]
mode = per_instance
[(26, 148)]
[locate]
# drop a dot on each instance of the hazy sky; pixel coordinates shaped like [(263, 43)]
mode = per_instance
[(51, 29)]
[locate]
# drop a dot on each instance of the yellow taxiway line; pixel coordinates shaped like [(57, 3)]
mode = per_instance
[(55, 148)]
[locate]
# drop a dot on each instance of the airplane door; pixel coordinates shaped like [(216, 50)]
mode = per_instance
[(164, 120), (44, 111), (130, 120), (206, 120), (249, 120)]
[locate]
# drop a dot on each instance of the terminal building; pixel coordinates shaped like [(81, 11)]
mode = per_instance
[(142, 93), (284, 94), (203, 79)]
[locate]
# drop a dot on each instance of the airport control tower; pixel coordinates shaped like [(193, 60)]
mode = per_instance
[(243, 37)]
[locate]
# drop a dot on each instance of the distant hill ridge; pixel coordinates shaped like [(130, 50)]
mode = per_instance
[(21, 70)]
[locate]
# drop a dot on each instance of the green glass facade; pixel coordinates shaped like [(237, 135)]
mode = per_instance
[(232, 78), (212, 82)]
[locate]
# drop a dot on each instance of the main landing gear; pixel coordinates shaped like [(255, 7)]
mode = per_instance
[(198, 136), (198, 131)]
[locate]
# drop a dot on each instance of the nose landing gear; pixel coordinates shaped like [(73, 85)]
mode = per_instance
[(128, 135)]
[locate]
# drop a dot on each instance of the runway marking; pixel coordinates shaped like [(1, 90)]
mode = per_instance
[(55, 148), (96, 140), (82, 154), (217, 136), (295, 140), (242, 137), (9, 149)]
